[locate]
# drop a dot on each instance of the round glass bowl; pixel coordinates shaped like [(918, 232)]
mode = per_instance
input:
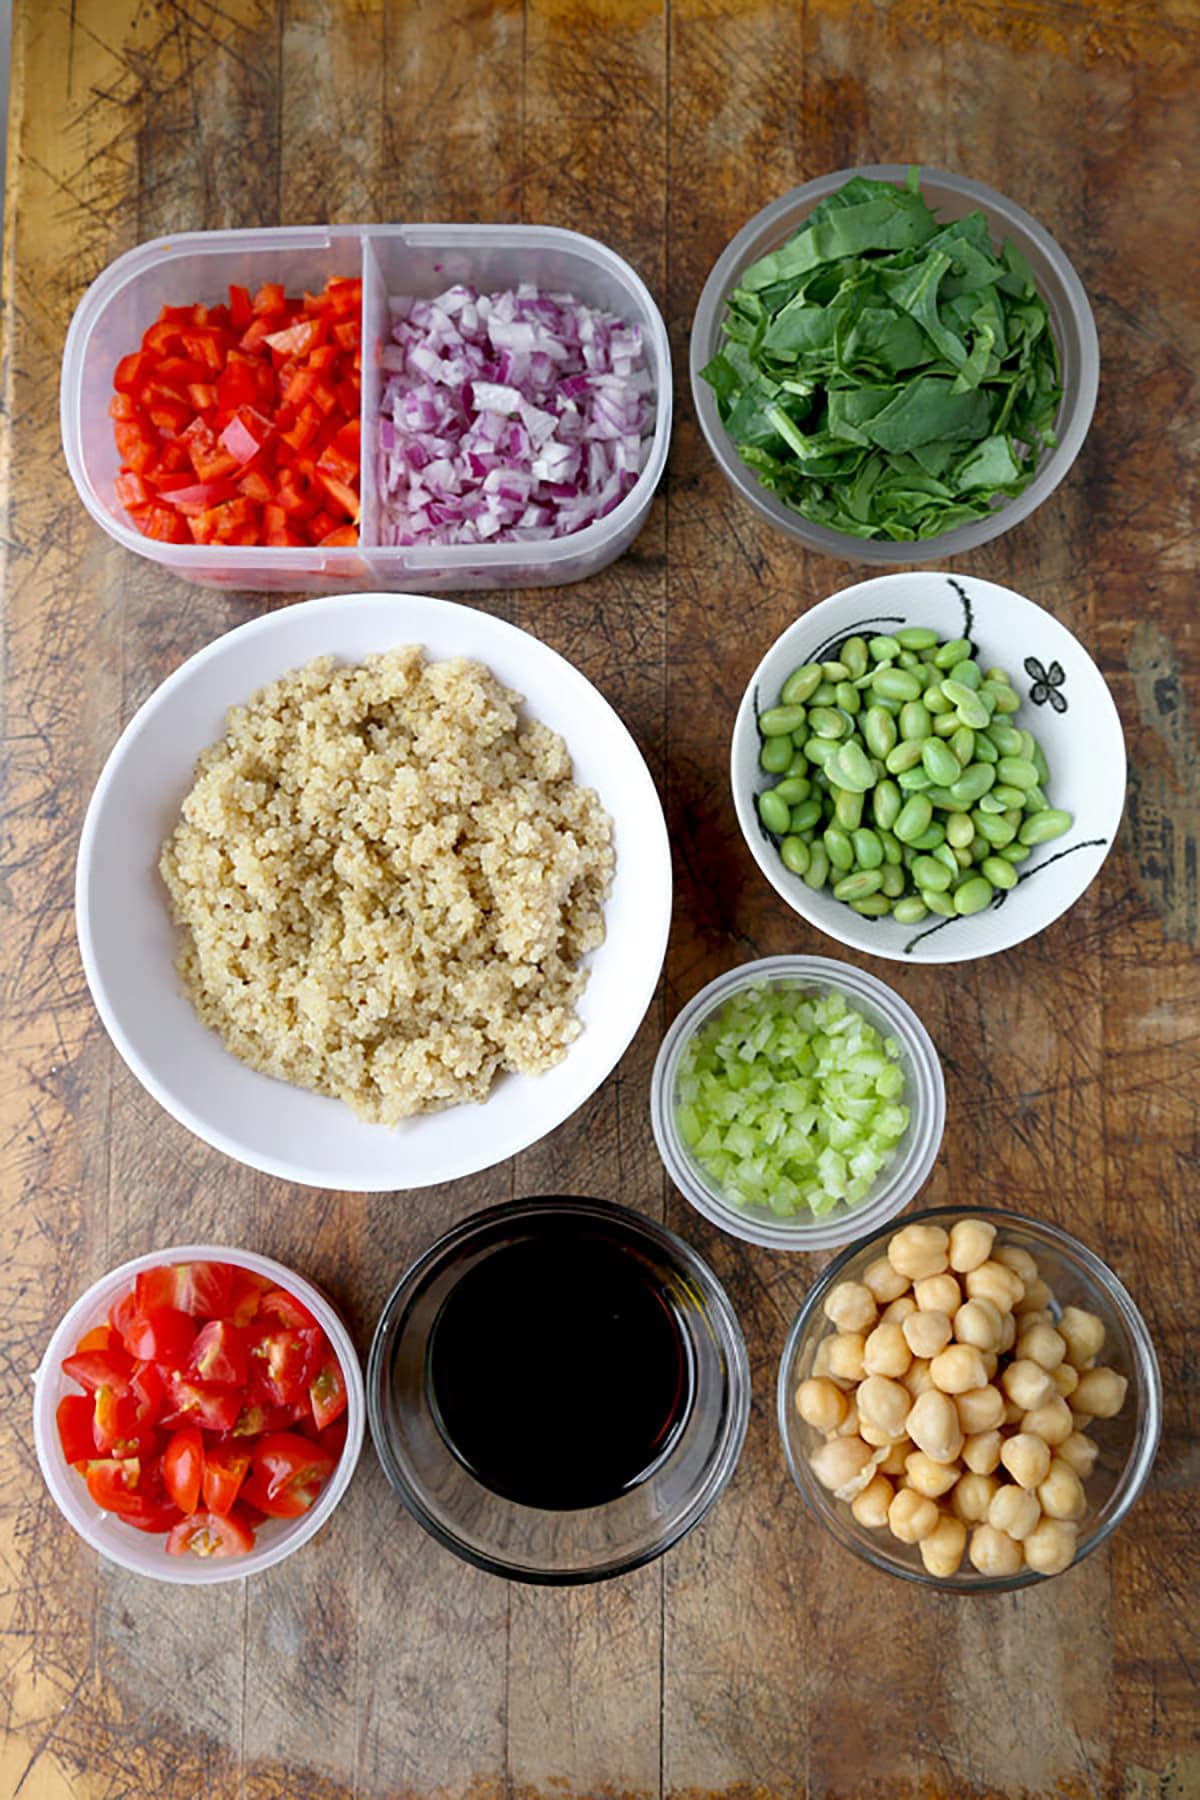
[(949, 197), (1127, 1442), (140, 1551), (558, 1545), (924, 1095)]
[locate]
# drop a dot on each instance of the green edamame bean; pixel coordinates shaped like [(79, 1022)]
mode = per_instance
[(818, 750), (1016, 853), (1005, 737), (857, 885), (946, 724), (967, 673), (794, 853), (817, 872), (972, 896), (959, 830), (915, 722), (939, 796), (847, 809), (883, 649), (1016, 772), (775, 755), (799, 764), (941, 764), (907, 659), (972, 711), (1008, 796), (1028, 746), (793, 789), (930, 874), (851, 768), (825, 694), (985, 750), (1035, 800), (931, 839), (914, 781), (886, 802), (994, 830), (941, 904), (801, 684), (892, 881), (774, 812), (948, 654), (838, 848), (914, 818), (948, 858), (989, 803), (868, 851), (828, 722), (964, 858), (935, 702), (1051, 822), (893, 850), (910, 910), (873, 907), (847, 697), (916, 637), (780, 721), (879, 730), (1001, 695), (854, 656), (904, 756), (962, 743), (1039, 762), (1001, 874), (805, 815), (971, 784), (835, 670), (894, 683)]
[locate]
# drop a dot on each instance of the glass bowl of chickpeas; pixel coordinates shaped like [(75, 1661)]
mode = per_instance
[(970, 1400)]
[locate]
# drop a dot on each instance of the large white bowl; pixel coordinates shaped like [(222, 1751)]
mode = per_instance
[(128, 941), (1065, 704)]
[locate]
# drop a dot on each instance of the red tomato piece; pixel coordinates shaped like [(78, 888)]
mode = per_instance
[(191, 1402), (119, 1426), (225, 1467), (150, 1391), (112, 1481), (208, 1534), (135, 445), (100, 1337), (260, 1416), (161, 1335), (341, 495), (269, 298), (278, 1304), (327, 1392), (73, 1415), (100, 1368), (245, 1294), (219, 1356), (241, 311), (199, 1288), (131, 490), (133, 1490), (163, 523), (333, 1437), (288, 1473), (131, 371), (183, 1467), (343, 537)]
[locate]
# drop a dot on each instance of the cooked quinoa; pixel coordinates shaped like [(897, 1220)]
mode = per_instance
[(385, 880)]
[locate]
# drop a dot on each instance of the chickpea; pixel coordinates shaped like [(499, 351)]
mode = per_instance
[(886, 1283), (1061, 1493), (928, 1477), (971, 1243), (1014, 1510), (926, 1333), (912, 1516), (1027, 1320), (916, 1377), (1027, 1384), (846, 1356), (979, 1322), (1101, 1392), (992, 1281), (1079, 1453), (991, 1363), (820, 1404), (849, 1425), (1065, 1378), (942, 1550), (1013, 1414), (820, 1361), (1026, 1458), (1011, 1257), (851, 1306), (896, 1311), (938, 1293), (1038, 1296), (980, 1409), (972, 1496), (981, 1452), (1083, 1333), (893, 1462), (874, 1435), (885, 1351), (870, 1507), (845, 1465), (1052, 1422), (1042, 1345), (885, 1405), (1050, 1547), (1008, 1333), (958, 1369), (919, 1250), (1082, 1421), (934, 1428), (993, 1552)]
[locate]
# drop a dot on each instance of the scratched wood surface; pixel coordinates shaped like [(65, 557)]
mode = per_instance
[(757, 1660)]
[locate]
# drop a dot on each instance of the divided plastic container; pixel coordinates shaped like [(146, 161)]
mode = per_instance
[(414, 260)]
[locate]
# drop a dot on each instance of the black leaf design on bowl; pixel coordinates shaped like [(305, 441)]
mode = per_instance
[(1047, 684)]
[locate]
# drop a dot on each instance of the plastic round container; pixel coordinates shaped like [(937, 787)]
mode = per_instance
[(413, 260), (924, 1095), (1127, 1442), (142, 1552), (523, 1542), (949, 197)]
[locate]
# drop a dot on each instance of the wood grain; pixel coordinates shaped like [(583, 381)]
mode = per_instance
[(757, 1661)]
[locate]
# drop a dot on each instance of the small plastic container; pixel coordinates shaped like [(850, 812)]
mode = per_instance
[(949, 197), (392, 260), (142, 1552), (1127, 1442), (924, 1095)]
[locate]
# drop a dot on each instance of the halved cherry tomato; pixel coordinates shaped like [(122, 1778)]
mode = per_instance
[(261, 1416), (73, 1416), (161, 1335), (219, 1355), (127, 1487), (119, 1425), (100, 1337), (327, 1392), (248, 1289), (287, 1474), (225, 1468), (277, 1304), (194, 1403), (208, 1534), (283, 1363), (95, 1369), (202, 1288), (183, 1467)]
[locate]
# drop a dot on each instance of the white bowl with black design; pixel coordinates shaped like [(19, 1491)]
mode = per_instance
[(1065, 703)]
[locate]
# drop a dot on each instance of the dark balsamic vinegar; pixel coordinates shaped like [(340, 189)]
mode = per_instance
[(558, 1370)]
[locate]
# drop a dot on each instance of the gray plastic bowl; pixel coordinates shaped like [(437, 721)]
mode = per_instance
[(950, 197)]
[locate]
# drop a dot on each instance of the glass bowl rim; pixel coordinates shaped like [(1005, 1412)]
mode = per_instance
[(903, 1179), (730, 1337), (1147, 1425)]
